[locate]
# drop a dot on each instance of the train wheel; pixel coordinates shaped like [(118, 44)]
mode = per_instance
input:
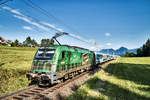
[(66, 76), (60, 80), (73, 74), (76, 72)]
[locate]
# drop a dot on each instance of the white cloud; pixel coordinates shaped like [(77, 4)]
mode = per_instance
[(25, 18), (28, 20), (108, 44), (107, 34), (27, 27), (15, 11), (41, 25), (52, 26)]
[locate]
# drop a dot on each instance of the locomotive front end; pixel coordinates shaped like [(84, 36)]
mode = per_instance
[(43, 67)]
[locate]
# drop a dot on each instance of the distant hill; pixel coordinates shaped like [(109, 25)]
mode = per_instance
[(121, 51)]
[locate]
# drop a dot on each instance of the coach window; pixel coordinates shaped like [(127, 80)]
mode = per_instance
[(58, 68), (81, 55), (63, 54)]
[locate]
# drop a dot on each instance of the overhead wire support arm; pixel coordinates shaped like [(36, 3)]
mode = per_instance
[(58, 35)]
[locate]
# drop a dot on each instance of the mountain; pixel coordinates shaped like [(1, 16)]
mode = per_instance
[(121, 51), (111, 51)]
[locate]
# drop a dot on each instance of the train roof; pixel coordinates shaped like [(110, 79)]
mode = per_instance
[(99, 53), (96, 52), (76, 48)]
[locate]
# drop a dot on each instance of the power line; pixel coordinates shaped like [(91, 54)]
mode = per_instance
[(46, 13), (49, 15), (27, 16), (37, 21), (33, 18), (4, 2)]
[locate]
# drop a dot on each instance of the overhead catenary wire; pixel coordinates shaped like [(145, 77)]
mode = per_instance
[(34, 6), (27, 16), (46, 13), (34, 19), (49, 15), (5, 1), (37, 21)]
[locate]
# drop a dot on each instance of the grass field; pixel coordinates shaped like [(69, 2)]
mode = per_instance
[(15, 62), (123, 79)]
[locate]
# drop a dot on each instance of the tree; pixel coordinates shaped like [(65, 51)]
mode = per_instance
[(27, 41), (30, 42), (9, 41), (148, 47), (139, 52), (33, 42), (127, 54), (46, 42), (145, 51), (131, 54), (15, 43)]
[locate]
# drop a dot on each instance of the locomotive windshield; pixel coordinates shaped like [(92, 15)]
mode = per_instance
[(45, 54)]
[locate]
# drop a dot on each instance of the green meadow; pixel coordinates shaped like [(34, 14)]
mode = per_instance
[(123, 79), (15, 63)]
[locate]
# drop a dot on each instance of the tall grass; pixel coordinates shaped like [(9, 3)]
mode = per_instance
[(15, 62), (123, 79)]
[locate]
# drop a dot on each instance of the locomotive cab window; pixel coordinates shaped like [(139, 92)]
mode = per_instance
[(45, 54)]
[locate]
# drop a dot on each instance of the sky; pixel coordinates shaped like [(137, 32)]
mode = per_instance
[(111, 23)]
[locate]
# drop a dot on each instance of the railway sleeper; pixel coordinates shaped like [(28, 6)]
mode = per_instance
[(35, 91), (23, 95), (30, 93), (18, 97)]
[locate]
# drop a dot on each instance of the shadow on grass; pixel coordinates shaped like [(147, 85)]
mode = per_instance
[(115, 92), (112, 91), (138, 73), (1, 64), (82, 94), (145, 89)]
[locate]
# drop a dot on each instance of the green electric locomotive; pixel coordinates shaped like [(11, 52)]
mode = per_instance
[(55, 63)]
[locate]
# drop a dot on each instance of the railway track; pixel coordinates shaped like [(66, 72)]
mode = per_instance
[(35, 92)]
